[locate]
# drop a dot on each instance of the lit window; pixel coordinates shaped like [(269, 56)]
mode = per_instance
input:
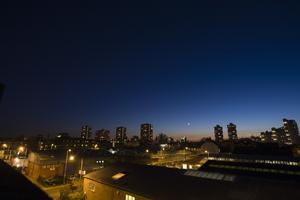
[(129, 197), (92, 187)]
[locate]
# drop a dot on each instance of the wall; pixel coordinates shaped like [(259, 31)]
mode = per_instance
[(99, 191), (35, 171)]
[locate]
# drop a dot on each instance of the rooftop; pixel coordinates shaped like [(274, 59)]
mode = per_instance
[(165, 183)]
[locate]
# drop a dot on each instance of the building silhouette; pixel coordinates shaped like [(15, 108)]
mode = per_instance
[(86, 132), (218, 133), (266, 137), (232, 133), (146, 134), (102, 135), (277, 135), (291, 131), (121, 136)]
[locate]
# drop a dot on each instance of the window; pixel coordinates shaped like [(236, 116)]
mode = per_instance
[(92, 187), (129, 197)]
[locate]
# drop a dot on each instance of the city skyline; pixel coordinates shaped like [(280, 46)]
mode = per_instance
[(182, 69), (93, 131), (144, 100)]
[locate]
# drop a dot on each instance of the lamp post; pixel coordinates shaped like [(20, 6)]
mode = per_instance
[(186, 148), (207, 152), (81, 172), (66, 165)]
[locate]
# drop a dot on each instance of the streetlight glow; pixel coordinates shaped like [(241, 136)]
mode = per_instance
[(21, 148)]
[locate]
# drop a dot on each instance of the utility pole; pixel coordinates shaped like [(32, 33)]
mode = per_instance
[(81, 172), (66, 165)]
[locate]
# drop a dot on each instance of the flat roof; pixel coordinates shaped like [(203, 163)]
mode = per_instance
[(167, 183)]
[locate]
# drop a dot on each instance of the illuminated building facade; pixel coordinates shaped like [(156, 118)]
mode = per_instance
[(232, 133), (291, 131), (277, 135), (266, 137), (121, 136), (146, 134), (102, 135), (86, 132), (218, 133)]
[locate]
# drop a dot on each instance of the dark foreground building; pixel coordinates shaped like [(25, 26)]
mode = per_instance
[(1, 90), (140, 182), (15, 186)]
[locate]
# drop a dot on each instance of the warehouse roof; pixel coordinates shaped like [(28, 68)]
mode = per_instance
[(166, 183)]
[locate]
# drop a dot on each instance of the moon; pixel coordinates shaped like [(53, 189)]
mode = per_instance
[(189, 124)]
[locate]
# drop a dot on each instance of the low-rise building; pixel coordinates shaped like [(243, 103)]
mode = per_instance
[(43, 166), (142, 182)]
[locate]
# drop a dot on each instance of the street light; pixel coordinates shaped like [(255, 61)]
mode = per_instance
[(207, 152), (72, 158), (66, 165), (81, 172), (21, 149), (186, 148)]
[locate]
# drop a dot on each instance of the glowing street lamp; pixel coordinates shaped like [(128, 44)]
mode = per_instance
[(207, 152), (21, 149), (66, 164), (72, 158), (4, 146)]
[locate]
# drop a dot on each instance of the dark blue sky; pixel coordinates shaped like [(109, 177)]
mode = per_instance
[(121, 63)]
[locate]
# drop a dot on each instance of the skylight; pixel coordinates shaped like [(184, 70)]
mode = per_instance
[(118, 176)]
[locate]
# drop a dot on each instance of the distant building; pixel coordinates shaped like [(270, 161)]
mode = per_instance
[(161, 138), (232, 133), (74, 143), (183, 140), (218, 133), (209, 148), (121, 136), (146, 135), (102, 135), (63, 135), (266, 137), (291, 131), (43, 166), (134, 138), (277, 135), (86, 132)]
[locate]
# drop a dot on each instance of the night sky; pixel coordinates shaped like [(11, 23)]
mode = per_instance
[(180, 65)]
